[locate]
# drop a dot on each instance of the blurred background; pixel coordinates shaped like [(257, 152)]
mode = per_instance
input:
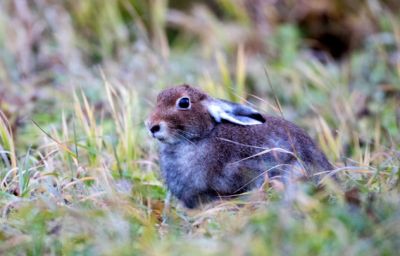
[(77, 79), (311, 50), (50, 48)]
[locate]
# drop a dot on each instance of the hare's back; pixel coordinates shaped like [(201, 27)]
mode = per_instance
[(275, 133)]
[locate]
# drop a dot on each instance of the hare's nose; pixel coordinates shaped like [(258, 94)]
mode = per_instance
[(155, 128)]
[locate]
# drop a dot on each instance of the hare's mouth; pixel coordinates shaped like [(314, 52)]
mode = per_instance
[(163, 137), (162, 140), (167, 140), (160, 137)]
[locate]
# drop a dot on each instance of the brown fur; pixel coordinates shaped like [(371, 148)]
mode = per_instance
[(202, 158)]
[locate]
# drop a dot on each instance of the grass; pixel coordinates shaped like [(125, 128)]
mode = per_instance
[(80, 175)]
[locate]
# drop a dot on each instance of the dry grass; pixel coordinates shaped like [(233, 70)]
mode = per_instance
[(79, 174)]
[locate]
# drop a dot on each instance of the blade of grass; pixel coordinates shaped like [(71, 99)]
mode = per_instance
[(6, 139), (61, 145), (24, 175)]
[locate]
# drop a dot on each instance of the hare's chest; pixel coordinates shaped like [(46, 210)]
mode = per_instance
[(184, 168)]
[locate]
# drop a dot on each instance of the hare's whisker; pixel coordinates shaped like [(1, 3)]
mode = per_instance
[(240, 144), (183, 137)]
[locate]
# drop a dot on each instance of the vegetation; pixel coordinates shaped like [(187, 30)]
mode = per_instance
[(79, 173)]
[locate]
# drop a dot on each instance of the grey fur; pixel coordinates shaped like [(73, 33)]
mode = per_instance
[(204, 157)]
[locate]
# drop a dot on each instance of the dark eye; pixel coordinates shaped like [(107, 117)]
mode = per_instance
[(183, 103)]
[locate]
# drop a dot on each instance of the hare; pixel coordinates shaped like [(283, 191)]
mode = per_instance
[(210, 147)]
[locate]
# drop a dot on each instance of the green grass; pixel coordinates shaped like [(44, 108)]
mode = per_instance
[(80, 175)]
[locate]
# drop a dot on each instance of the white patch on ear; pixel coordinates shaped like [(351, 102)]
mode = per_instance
[(231, 112), (214, 110)]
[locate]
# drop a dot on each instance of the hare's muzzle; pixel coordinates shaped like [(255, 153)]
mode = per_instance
[(157, 130)]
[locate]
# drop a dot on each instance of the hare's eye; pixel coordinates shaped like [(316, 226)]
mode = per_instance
[(183, 103)]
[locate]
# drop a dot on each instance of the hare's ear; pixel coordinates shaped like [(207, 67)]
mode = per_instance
[(233, 112)]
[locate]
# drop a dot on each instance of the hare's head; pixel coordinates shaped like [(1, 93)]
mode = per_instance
[(185, 113)]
